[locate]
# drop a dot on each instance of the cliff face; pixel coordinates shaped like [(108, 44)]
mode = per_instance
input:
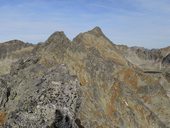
[(85, 83)]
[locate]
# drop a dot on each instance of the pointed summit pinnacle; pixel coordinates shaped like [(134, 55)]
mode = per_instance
[(57, 36), (96, 31)]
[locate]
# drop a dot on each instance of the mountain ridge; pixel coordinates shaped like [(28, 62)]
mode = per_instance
[(114, 91)]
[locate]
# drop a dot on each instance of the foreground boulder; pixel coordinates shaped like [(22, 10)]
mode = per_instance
[(38, 97)]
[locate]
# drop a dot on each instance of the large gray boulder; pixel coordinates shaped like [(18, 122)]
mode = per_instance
[(37, 97)]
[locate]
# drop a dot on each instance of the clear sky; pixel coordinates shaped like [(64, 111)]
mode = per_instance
[(132, 22)]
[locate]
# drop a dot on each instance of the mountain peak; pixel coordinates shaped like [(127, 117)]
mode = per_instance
[(87, 82), (96, 31), (58, 40), (59, 35)]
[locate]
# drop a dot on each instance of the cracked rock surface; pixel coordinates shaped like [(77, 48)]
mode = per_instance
[(37, 97)]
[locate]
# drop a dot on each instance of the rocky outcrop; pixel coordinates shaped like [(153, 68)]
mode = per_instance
[(39, 97), (11, 51), (145, 58), (7, 48), (166, 60), (153, 54), (85, 83)]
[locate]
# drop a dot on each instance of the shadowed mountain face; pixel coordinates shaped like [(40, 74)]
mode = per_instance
[(87, 83)]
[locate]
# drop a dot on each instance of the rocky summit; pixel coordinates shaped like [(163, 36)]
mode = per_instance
[(88, 82)]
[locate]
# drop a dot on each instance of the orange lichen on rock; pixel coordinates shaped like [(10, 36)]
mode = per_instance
[(2, 118), (110, 109), (115, 91), (130, 77)]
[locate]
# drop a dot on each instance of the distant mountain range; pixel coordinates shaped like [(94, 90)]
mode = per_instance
[(88, 82)]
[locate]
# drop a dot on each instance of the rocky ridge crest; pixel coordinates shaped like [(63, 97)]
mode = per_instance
[(87, 82)]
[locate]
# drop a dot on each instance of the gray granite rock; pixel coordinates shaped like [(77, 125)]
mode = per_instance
[(40, 98)]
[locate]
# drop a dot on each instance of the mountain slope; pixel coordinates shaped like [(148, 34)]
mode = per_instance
[(145, 58), (112, 91), (109, 82), (11, 51)]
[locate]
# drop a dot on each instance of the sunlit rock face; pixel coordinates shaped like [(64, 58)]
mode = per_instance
[(85, 83)]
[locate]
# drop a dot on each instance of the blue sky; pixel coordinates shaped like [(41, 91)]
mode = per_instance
[(132, 22)]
